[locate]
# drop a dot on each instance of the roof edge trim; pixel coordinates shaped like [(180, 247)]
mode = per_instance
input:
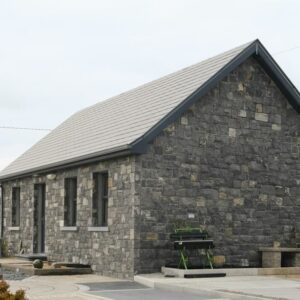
[(255, 49), (201, 91), (138, 146), (71, 163), (279, 77)]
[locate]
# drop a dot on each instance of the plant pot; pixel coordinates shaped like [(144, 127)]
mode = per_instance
[(38, 264), (219, 261)]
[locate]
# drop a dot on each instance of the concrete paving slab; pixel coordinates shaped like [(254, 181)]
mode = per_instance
[(114, 286), (250, 287), (82, 287), (151, 294), (232, 272), (57, 287)]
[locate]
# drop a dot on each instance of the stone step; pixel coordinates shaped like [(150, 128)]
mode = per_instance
[(33, 256), (26, 267)]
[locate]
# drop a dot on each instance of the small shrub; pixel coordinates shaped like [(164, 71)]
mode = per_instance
[(4, 248), (5, 294)]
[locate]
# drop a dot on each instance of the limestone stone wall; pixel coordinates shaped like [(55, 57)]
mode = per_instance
[(14, 238), (110, 253), (232, 160)]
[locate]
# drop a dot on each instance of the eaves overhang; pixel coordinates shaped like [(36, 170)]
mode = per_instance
[(126, 150), (138, 146)]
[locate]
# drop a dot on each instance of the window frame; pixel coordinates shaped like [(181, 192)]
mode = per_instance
[(70, 201), (2, 195), (15, 206), (100, 199)]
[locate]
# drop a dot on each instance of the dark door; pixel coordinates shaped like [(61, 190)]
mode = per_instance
[(39, 219)]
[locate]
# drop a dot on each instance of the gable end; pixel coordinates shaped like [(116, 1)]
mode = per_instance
[(257, 51)]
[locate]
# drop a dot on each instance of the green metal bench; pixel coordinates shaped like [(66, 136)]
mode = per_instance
[(185, 240)]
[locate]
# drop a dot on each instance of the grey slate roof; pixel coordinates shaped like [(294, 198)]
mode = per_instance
[(115, 124)]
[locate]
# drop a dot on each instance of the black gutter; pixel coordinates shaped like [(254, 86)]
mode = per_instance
[(67, 164)]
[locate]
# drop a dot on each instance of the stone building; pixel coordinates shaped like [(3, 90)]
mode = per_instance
[(217, 141)]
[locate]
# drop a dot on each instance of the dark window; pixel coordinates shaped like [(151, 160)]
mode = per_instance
[(15, 220), (2, 209), (100, 199), (70, 201)]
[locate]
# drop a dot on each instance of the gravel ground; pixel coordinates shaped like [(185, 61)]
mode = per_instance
[(11, 275)]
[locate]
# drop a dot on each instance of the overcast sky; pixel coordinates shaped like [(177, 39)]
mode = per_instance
[(58, 56)]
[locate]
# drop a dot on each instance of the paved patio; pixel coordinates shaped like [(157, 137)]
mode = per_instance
[(249, 287), (57, 287), (82, 287)]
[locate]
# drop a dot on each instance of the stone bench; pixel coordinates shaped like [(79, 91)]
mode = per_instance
[(273, 257)]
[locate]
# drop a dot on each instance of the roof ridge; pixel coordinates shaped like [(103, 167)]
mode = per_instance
[(125, 123), (168, 75)]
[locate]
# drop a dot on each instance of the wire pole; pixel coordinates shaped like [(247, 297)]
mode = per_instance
[(24, 128), (286, 50)]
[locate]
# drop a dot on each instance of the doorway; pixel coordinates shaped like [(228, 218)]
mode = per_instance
[(39, 219)]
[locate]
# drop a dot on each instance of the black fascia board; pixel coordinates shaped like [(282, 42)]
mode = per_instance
[(68, 164), (279, 77), (195, 96)]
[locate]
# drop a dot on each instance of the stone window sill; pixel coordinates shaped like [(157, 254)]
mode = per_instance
[(14, 228), (69, 228), (102, 228)]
